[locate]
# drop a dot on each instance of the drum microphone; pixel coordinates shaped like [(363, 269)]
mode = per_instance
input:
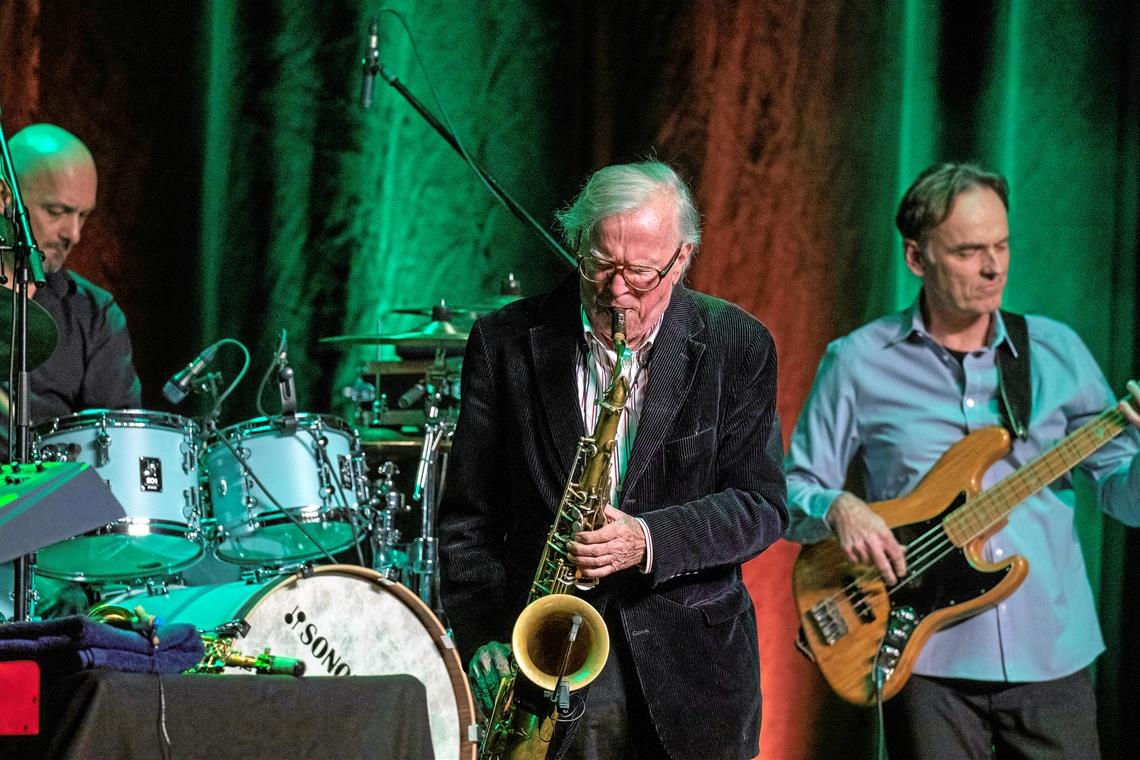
[(178, 387), (370, 64), (411, 396)]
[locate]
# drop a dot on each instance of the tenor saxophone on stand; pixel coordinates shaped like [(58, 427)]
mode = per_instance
[(560, 642)]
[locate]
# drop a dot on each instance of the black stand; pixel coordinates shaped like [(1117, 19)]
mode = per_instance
[(373, 66), (27, 269)]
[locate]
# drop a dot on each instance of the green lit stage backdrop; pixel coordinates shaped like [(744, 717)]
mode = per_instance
[(243, 190)]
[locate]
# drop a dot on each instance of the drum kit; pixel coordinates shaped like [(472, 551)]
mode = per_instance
[(275, 495), (272, 493)]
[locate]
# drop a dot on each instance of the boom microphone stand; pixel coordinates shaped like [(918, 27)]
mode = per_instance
[(27, 269), (372, 66)]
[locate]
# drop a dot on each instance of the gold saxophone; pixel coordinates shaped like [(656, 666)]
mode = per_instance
[(560, 642)]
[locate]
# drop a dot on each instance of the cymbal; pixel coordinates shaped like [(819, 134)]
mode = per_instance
[(483, 307), (411, 367), (434, 334), (42, 332), (491, 304)]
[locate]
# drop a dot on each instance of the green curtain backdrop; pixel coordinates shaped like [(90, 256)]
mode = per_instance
[(320, 218), (244, 191)]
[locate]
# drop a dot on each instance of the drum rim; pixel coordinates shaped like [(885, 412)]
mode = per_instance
[(156, 527), (270, 424), (133, 418), (292, 558), (444, 644)]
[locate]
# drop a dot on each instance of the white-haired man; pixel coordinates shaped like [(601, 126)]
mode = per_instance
[(698, 484)]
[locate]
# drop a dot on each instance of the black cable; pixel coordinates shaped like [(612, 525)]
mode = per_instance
[(880, 722), (281, 343)]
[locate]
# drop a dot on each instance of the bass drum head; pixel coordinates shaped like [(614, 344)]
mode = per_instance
[(340, 620)]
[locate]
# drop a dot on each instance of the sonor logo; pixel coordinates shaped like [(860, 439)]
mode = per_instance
[(318, 645)]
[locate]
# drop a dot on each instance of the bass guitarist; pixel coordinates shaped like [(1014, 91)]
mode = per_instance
[(890, 398)]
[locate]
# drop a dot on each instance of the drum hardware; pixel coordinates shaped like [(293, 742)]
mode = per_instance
[(424, 565), (364, 394), (351, 474), (103, 446), (251, 575), (388, 500)]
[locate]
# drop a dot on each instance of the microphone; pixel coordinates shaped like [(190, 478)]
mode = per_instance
[(178, 387), (370, 64), (412, 395)]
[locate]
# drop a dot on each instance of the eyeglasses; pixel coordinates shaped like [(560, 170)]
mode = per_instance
[(642, 279)]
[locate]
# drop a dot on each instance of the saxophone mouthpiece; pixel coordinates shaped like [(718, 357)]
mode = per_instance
[(617, 326)]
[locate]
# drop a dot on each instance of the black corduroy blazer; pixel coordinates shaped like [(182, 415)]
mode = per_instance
[(706, 475)]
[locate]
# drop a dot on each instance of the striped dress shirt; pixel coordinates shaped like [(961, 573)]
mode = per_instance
[(595, 372)]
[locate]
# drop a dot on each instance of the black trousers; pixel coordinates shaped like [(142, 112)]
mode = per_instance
[(950, 719)]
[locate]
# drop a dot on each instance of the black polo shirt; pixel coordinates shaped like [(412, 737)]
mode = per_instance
[(91, 366)]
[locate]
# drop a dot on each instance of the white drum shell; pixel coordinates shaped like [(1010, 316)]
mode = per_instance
[(149, 461), (314, 470)]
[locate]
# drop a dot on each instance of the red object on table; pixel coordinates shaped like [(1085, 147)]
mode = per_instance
[(19, 698)]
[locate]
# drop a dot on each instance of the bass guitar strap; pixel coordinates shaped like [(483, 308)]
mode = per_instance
[(1013, 377)]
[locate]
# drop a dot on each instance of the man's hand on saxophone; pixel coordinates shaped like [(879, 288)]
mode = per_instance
[(618, 545), (491, 662)]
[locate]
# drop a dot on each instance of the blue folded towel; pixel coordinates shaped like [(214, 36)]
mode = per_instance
[(77, 642)]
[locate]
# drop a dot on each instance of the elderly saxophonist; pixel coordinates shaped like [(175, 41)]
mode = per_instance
[(697, 482)]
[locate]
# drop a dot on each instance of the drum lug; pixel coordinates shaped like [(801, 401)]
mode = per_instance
[(249, 501), (102, 448), (156, 587), (191, 509), (189, 457)]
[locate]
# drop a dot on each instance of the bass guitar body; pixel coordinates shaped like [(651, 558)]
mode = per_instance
[(862, 633)]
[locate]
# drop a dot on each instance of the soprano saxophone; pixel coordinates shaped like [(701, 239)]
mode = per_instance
[(560, 642)]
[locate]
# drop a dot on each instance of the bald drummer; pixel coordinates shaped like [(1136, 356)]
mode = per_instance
[(91, 366)]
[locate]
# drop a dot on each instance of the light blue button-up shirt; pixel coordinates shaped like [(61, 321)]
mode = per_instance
[(889, 400)]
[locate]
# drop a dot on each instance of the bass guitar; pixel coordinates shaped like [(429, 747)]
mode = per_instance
[(866, 636)]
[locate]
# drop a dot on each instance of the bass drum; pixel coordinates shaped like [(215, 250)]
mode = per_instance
[(341, 620)]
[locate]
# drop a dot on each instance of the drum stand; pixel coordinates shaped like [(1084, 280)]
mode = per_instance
[(424, 551), (386, 502), (27, 270)]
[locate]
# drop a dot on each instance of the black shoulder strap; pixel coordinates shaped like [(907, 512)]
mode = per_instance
[(1013, 377)]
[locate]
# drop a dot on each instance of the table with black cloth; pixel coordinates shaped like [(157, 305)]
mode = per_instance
[(105, 714)]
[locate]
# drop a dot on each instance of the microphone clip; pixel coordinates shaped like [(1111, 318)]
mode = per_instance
[(288, 393)]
